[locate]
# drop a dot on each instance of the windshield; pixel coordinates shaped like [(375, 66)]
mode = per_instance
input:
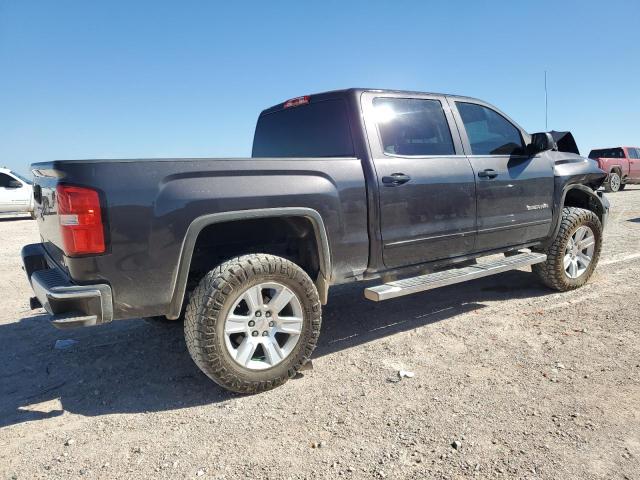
[(17, 175), (24, 179)]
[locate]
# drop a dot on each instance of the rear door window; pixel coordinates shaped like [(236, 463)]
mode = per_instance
[(318, 129), (412, 127), (489, 132)]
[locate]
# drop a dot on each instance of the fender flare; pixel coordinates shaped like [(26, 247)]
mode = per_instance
[(595, 196), (198, 224), (615, 167)]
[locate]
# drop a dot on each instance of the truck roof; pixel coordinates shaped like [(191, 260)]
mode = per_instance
[(356, 92)]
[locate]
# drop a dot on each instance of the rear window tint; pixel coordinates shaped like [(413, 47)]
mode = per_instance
[(315, 130)]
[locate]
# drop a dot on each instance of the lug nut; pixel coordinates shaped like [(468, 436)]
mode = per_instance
[(251, 323), (268, 314), (265, 333), (258, 313), (271, 324), (254, 333)]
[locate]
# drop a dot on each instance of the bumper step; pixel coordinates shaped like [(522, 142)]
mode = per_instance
[(430, 281), (69, 304), (73, 320)]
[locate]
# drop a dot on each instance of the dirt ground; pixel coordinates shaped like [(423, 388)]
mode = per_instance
[(511, 381)]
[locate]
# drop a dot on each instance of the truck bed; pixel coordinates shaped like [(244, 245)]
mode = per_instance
[(149, 204)]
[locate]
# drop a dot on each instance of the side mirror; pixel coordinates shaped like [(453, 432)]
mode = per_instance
[(14, 184), (541, 142)]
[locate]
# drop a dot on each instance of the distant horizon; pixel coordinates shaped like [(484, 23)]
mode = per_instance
[(161, 80)]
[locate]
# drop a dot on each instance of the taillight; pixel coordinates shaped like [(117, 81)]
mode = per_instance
[(80, 220)]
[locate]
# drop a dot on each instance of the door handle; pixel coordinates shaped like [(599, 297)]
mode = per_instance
[(395, 179), (488, 173)]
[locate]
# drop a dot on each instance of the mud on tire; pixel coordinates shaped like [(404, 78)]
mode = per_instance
[(552, 272), (211, 302)]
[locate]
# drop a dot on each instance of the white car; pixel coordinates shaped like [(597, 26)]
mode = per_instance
[(16, 193)]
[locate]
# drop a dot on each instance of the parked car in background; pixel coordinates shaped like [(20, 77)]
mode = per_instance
[(621, 163), (16, 193)]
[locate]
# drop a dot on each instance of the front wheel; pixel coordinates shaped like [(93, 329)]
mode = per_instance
[(613, 183), (575, 251), (253, 322)]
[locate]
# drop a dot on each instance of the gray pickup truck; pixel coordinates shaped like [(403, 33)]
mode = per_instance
[(413, 189)]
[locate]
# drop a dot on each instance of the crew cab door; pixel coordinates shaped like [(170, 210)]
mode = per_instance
[(426, 186), (514, 190), (13, 198), (633, 154)]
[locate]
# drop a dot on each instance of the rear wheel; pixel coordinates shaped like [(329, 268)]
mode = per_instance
[(575, 251), (613, 183), (253, 322)]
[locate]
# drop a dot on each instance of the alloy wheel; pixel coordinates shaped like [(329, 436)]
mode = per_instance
[(579, 252), (263, 326)]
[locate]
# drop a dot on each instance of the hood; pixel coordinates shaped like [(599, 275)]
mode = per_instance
[(565, 142)]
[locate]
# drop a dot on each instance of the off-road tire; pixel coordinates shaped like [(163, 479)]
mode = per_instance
[(213, 297), (552, 272), (608, 187)]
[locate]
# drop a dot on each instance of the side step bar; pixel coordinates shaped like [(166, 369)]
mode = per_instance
[(430, 281)]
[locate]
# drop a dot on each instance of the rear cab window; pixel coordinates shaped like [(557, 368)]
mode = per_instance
[(315, 129), (607, 153)]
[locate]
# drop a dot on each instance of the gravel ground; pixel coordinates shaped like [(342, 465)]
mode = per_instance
[(511, 381)]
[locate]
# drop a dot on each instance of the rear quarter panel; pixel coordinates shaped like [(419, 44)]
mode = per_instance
[(149, 205), (608, 164)]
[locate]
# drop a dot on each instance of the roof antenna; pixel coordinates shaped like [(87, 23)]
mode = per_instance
[(546, 104)]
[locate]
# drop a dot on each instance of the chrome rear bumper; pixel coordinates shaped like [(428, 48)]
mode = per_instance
[(69, 305)]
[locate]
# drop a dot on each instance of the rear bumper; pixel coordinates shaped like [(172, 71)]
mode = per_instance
[(69, 305)]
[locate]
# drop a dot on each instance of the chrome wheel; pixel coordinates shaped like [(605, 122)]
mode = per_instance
[(263, 326), (579, 251), (614, 181)]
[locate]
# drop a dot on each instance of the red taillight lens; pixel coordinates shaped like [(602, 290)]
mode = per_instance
[(80, 220)]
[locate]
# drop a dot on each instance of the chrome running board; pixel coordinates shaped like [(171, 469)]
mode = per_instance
[(430, 281)]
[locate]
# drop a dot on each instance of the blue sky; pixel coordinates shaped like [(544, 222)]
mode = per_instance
[(130, 79)]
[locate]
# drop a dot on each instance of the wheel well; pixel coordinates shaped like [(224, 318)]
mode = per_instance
[(581, 199), (292, 238)]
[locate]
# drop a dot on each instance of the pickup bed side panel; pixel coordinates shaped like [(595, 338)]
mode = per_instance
[(608, 164), (151, 204)]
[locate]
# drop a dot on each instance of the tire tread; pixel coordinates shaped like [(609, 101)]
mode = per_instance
[(551, 272), (209, 298)]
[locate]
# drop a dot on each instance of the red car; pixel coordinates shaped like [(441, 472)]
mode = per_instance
[(621, 163)]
